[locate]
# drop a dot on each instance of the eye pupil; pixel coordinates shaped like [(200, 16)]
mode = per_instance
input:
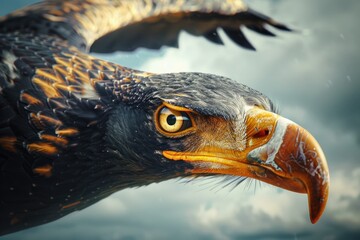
[(171, 119)]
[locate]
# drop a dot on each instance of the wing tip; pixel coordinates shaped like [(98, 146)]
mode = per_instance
[(263, 19)]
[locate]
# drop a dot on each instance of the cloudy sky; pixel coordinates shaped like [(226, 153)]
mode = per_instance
[(313, 76)]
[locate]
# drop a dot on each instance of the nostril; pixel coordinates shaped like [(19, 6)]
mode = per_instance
[(261, 133)]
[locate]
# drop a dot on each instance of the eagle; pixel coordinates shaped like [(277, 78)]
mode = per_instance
[(74, 129)]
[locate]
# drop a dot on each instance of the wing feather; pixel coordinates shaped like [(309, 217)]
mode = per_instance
[(111, 25)]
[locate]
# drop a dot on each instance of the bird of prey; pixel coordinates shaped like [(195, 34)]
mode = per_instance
[(75, 129)]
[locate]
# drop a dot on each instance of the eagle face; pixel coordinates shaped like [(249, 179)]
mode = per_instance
[(194, 124), (182, 112)]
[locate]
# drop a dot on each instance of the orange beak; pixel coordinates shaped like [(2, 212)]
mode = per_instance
[(278, 152)]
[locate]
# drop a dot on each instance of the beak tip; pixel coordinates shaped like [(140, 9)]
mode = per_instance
[(317, 204), (314, 217)]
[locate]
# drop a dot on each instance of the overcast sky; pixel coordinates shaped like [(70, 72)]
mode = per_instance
[(313, 76)]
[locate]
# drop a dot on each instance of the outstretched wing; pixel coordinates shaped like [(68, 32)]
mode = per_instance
[(110, 25), (164, 30)]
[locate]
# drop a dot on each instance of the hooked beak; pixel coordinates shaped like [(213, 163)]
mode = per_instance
[(278, 152)]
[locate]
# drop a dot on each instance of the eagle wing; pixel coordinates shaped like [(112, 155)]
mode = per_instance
[(111, 25)]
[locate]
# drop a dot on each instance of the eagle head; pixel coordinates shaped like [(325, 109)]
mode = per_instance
[(195, 124)]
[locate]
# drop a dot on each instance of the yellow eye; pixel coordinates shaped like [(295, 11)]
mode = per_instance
[(173, 123), (171, 120)]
